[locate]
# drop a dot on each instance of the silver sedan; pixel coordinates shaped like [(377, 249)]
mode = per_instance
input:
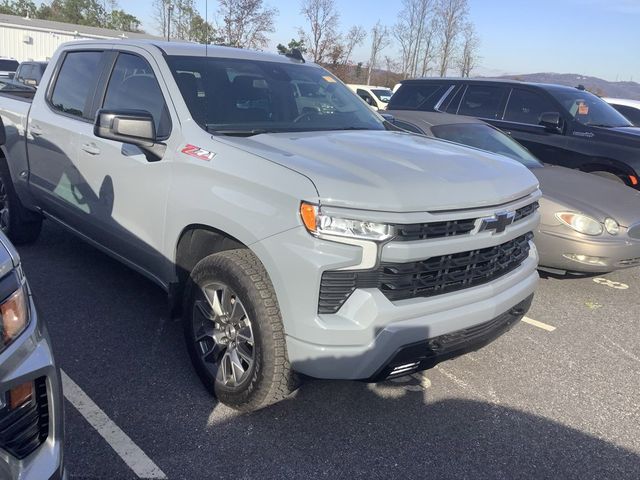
[(588, 224)]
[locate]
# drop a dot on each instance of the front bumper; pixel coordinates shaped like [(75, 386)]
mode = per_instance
[(614, 252), (359, 339), (30, 358)]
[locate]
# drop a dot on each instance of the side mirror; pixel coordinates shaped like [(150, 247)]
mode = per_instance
[(126, 126), (551, 121)]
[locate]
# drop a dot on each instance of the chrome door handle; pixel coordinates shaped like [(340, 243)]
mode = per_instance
[(90, 148)]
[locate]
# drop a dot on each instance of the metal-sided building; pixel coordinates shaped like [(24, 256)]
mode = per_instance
[(33, 39)]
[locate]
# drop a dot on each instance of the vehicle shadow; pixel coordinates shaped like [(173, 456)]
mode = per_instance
[(113, 336)]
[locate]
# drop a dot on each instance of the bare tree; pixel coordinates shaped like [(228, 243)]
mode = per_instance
[(379, 41), (450, 16), (323, 19), (411, 31), (469, 57), (354, 37), (245, 23), (429, 47), (159, 15)]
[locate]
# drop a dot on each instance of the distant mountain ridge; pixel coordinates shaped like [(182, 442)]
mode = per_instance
[(604, 88)]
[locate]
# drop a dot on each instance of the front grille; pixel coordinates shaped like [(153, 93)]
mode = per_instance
[(629, 262), (26, 428), (452, 228), (433, 276)]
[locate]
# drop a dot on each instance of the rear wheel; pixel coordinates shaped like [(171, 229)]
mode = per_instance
[(16, 222), (234, 331)]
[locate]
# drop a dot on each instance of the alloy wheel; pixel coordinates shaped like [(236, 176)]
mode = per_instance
[(223, 334)]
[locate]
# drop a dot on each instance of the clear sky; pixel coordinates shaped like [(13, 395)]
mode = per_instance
[(590, 37)]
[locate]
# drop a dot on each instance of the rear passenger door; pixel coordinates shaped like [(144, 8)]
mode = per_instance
[(52, 138), (521, 121), (483, 101), (129, 190)]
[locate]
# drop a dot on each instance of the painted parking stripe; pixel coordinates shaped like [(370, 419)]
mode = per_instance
[(131, 454), (536, 323)]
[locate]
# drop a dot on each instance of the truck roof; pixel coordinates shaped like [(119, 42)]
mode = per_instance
[(193, 49), (506, 81)]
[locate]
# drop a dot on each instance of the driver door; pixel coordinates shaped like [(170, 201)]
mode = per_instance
[(130, 189)]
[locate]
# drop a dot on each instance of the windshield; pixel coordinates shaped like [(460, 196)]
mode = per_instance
[(486, 138), (240, 97), (588, 109), (383, 94)]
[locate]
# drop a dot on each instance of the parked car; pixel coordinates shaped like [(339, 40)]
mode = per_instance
[(31, 413), (30, 73), (588, 224), (629, 108), (8, 67), (376, 97), (560, 125), (296, 239)]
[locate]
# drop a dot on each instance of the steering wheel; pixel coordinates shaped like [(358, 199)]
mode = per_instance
[(308, 114)]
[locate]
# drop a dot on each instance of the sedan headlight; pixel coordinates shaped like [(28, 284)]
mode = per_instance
[(318, 223), (611, 226), (14, 317), (580, 222)]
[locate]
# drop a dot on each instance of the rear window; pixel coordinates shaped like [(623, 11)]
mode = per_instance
[(75, 82), (8, 65), (418, 96)]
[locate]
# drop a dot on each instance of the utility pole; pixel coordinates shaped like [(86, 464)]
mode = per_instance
[(169, 11)]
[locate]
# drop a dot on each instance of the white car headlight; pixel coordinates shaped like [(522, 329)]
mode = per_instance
[(318, 223), (580, 222), (611, 226)]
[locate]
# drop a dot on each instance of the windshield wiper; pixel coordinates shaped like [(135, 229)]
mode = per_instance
[(239, 132)]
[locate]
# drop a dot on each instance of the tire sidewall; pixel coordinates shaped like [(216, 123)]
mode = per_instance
[(221, 269)]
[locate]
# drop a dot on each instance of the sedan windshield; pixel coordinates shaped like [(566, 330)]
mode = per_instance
[(383, 94), (239, 97), (589, 109), (486, 138)]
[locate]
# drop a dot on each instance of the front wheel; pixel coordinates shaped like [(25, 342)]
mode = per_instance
[(234, 331)]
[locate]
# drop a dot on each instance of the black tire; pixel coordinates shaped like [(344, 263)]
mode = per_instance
[(269, 377), (16, 222)]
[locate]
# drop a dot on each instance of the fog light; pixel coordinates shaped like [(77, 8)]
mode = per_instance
[(611, 226), (586, 259)]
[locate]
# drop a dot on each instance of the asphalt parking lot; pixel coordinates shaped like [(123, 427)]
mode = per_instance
[(554, 398)]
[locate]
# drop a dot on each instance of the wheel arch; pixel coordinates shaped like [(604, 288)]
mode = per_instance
[(602, 164), (195, 242)]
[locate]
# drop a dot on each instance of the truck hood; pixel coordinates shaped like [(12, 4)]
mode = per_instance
[(587, 193), (394, 171)]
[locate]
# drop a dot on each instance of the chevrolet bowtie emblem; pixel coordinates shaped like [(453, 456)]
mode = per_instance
[(498, 223)]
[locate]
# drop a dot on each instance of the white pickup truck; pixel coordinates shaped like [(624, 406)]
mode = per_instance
[(293, 233)]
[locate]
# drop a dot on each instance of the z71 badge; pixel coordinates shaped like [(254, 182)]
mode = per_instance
[(198, 152)]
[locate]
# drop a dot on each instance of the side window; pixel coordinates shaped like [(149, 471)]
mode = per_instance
[(75, 82), (408, 127), (418, 97), (363, 94), (483, 101), (525, 106), (133, 86)]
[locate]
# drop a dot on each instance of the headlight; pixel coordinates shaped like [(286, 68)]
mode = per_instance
[(611, 226), (318, 223), (580, 223), (14, 317)]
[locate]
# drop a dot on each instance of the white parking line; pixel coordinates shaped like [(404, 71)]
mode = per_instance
[(131, 454), (536, 323)]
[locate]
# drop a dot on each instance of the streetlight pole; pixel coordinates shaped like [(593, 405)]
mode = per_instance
[(169, 11)]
